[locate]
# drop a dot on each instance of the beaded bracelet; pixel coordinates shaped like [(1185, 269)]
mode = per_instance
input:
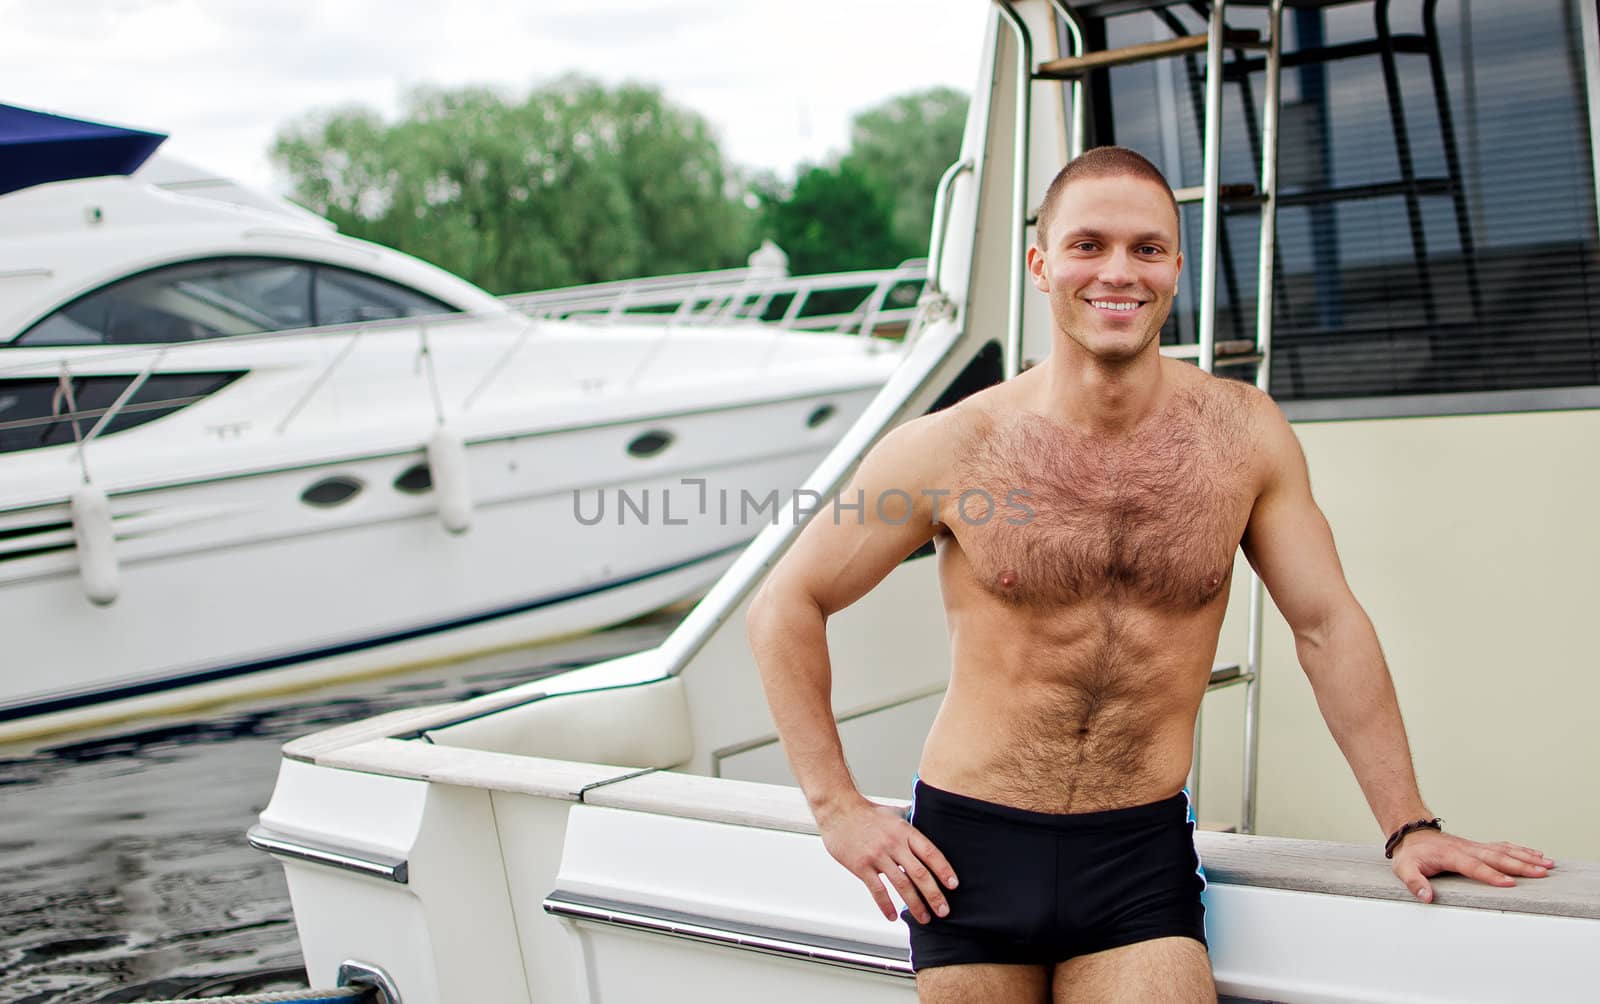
[(1421, 824)]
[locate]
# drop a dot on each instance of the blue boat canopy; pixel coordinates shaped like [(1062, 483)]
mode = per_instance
[(37, 147)]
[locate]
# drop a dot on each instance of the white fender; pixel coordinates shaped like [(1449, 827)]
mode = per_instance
[(447, 463), (97, 544)]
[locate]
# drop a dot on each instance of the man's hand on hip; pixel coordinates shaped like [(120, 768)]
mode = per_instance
[(873, 840), (1426, 853)]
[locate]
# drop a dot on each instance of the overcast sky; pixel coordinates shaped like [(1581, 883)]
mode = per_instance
[(779, 81)]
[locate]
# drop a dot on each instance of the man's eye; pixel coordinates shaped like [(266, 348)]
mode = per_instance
[(1149, 249), (1085, 246)]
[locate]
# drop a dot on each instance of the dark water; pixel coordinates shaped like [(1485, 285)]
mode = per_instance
[(124, 872)]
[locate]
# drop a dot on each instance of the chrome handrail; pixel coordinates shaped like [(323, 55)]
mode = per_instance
[(361, 862), (1211, 211), (732, 297), (1012, 362), (115, 353), (1075, 28), (941, 222), (709, 930), (1264, 308)]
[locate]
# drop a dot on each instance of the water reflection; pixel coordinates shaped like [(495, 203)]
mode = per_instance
[(124, 872)]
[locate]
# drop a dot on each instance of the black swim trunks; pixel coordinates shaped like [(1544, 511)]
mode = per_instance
[(1040, 888)]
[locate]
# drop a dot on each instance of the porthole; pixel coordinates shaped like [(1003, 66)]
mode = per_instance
[(415, 480), (650, 443), (820, 416), (330, 492)]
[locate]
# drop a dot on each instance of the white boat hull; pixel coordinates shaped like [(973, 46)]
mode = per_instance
[(230, 587)]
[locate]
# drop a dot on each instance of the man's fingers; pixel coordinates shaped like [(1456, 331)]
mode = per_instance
[(907, 890), (927, 885), (1515, 864), (1481, 870), (1411, 875), (1527, 854), (879, 895), (933, 858)]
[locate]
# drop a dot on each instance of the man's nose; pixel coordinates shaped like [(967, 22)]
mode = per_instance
[(1116, 268)]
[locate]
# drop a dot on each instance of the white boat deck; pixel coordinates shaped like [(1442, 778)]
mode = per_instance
[(1338, 869)]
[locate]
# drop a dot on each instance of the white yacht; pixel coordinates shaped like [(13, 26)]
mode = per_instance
[(629, 831), (241, 452)]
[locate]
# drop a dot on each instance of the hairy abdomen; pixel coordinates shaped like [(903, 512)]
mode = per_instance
[(1079, 710)]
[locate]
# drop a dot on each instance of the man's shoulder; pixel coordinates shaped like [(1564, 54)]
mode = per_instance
[(927, 449), (1225, 397), (973, 417)]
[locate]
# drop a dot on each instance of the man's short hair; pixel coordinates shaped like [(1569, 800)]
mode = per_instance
[(1101, 162)]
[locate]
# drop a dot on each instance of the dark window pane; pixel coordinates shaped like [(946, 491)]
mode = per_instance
[(272, 296), (180, 303), (345, 297), (37, 412), (1457, 253), (225, 296)]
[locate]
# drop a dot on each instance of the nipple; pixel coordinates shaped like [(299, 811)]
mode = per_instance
[(1007, 579)]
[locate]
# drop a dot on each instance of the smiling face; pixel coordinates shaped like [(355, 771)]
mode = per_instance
[(1111, 265)]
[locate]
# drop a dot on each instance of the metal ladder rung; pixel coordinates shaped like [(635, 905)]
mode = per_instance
[(1248, 359), (1229, 194), (1226, 673), (1230, 676), (1233, 347), (1075, 66)]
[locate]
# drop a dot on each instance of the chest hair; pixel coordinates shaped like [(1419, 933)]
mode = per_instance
[(1150, 517)]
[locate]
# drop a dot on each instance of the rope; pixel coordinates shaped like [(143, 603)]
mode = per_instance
[(343, 994)]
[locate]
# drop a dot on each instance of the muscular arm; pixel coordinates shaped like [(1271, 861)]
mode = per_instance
[(1289, 543), (835, 562)]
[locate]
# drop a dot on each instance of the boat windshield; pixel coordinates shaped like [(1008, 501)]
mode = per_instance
[(217, 297)]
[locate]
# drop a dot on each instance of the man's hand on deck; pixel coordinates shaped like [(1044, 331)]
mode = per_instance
[(1426, 853), (873, 840)]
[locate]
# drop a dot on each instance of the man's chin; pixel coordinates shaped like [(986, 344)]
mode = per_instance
[(1118, 350)]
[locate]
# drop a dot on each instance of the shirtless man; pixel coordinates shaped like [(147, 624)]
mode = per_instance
[(1083, 626)]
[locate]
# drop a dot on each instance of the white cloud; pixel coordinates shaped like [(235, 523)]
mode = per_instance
[(778, 81)]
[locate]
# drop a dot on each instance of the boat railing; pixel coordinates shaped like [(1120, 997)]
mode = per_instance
[(872, 302), (88, 423), (877, 302), (31, 362)]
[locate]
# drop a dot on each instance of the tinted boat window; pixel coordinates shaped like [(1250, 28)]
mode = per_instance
[(345, 297), (38, 411), (224, 296)]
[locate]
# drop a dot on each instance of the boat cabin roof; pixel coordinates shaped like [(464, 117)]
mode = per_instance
[(62, 241)]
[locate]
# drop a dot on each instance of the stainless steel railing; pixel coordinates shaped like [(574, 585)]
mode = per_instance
[(875, 300)]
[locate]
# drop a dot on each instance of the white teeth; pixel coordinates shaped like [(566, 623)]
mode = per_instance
[(1119, 305)]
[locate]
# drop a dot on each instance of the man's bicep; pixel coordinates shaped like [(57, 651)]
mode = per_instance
[(841, 559), (1288, 540)]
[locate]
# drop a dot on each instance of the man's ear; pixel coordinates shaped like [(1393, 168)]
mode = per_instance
[(1036, 272), (1178, 274)]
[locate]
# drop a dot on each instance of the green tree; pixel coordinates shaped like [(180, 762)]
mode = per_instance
[(902, 146), (576, 183), (833, 220)]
